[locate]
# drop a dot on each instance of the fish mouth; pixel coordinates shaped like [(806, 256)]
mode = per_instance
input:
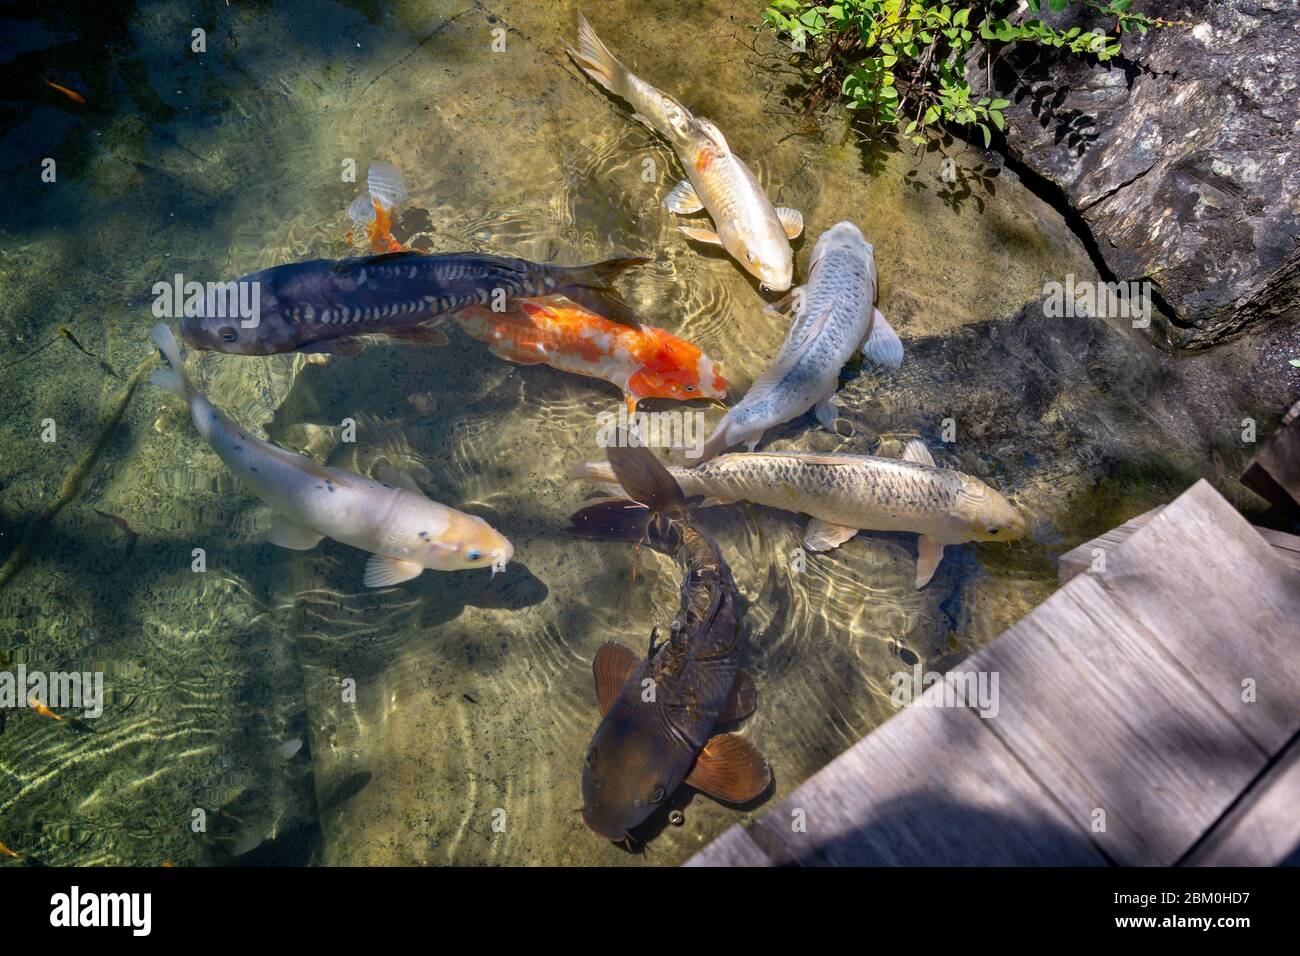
[(601, 832)]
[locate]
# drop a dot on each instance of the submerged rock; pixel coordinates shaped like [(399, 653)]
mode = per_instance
[(1179, 154)]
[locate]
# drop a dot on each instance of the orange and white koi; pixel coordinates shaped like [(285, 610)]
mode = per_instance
[(645, 362)]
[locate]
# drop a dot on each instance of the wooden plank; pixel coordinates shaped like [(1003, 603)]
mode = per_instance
[(1264, 829), (1109, 722), (1274, 472), (733, 848), (1201, 580), (931, 786), (1120, 693), (1080, 559)]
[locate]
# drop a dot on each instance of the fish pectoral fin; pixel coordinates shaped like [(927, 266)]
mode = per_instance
[(742, 700), (293, 536), (827, 412), (344, 345), (791, 221), (612, 666), (383, 571), (418, 335), (782, 304), (683, 200), (391, 474), (730, 768), (701, 235), (823, 536), (929, 553), (644, 122), (915, 451), (882, 344)]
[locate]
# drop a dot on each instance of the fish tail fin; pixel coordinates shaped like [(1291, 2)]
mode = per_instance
[(597, 62), (173, 379), (646, 480), (590, 287)]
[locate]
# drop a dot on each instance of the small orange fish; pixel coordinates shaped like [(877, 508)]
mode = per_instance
[(70, 94), (380, 230), (41, 709), (5, 851), (644, 363)]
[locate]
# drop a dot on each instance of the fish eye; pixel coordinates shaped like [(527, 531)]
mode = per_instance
[(591, 756), (749, 258), (228, 334), (992, 530), (474, 554), (689, 388), (657, 796)]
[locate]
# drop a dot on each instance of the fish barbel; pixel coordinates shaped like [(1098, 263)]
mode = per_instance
[(404, 531), (644, 363), (835, 316), (845, 494), (753, 232), (659, 712), (327, 305)]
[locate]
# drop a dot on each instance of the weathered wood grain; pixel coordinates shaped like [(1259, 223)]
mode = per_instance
[(733, 848), (1112, 724), (1264, 829), (1121, 693), (1202, 581), (1286, 547), (930, 786)]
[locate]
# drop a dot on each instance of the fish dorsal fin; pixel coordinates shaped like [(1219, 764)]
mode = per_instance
[(731, 769), (710, 129), (915, 451), (742, 700), (823, 536), (348, 265), (612, 666), (770, 379)]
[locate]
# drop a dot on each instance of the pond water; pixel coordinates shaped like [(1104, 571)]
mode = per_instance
[(474, 700)]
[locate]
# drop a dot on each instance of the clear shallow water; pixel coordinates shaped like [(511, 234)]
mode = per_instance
[(474, 695)]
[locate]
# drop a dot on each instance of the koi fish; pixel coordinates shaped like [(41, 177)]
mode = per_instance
[(41, 709), (404, 531), (70, 94), (385, 191), (754, 233), (845, 494), (5, 851), (647, 745), (835, 317), (329, 305), (644, 363)]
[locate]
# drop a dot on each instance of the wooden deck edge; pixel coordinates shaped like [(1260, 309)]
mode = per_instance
[(1263, 828)]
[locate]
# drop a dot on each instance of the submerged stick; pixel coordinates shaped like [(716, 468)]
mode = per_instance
[(75, 482)]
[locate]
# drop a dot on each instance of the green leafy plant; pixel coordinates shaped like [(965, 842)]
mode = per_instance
[(907, 60)]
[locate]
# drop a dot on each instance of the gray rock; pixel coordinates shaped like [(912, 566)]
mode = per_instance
[(1181, 155)]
